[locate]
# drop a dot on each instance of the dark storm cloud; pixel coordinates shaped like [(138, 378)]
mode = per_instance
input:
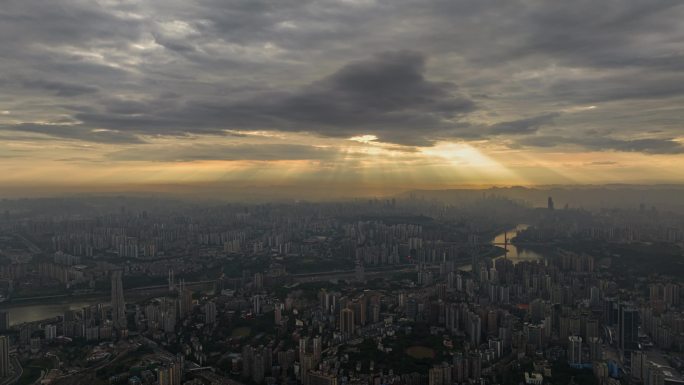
[(649, 146), (198, 152), (203, 67), (60, 88), (522, 126), (387, 95), (78, 132), (635, 86), (67, 21)]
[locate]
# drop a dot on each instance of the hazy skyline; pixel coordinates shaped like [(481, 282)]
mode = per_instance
[(350, 95)]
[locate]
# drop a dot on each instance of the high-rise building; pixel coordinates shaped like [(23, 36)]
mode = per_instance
[(118, 304), (258, 282), (347, 322), (671, 294), (594, 296), (303, 345), (475, 359), (169, 316), (591, 328), (256, 304), (474, 255), (452, 318), (306, 365), (575, 350), (628, 327), (172, 283), (247, 361), (210, 312), (411, 308), (4, 321), (550, 204), (595, 349), (170, 374), (639, 364), (278, 313), (4, 357), (50, 332), (534, 335), (184, 300), (610, 311), (437, 374), (258, 371), (317, 349), (475, 329)]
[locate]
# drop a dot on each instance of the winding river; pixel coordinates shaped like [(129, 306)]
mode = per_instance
[(517, 254), (19, 313)]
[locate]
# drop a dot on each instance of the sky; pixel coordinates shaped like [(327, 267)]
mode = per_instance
[(360, 96)]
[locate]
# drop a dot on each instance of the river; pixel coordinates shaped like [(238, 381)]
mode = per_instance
[(19, 313), (517, 254)]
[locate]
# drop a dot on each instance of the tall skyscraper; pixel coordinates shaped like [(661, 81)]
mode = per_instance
[(347, 322), (317, 349), (247, 361), (4, 357), (210, 312), (595, 349), (258, 370), (303, 345), (170, 374), (278, 313), (172, 283), (628, 327), (474, 255), (4, 321), (639, 364), (50, 332), (118, 304), (575, 350), (475, 329), (258, 282), (256, 304), (306, 364)]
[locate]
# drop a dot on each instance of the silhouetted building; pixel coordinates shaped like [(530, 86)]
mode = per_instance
[(118, 304), (347, 322), (628, 328), (4, 357)]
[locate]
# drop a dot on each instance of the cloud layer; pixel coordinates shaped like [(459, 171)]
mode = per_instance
[(567, 76)]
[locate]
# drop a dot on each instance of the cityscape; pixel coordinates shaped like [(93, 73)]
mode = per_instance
[(341, 192), (404, 290)]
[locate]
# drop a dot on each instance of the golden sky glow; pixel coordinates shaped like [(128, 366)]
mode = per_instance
[(360, 164), (344, 97)]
